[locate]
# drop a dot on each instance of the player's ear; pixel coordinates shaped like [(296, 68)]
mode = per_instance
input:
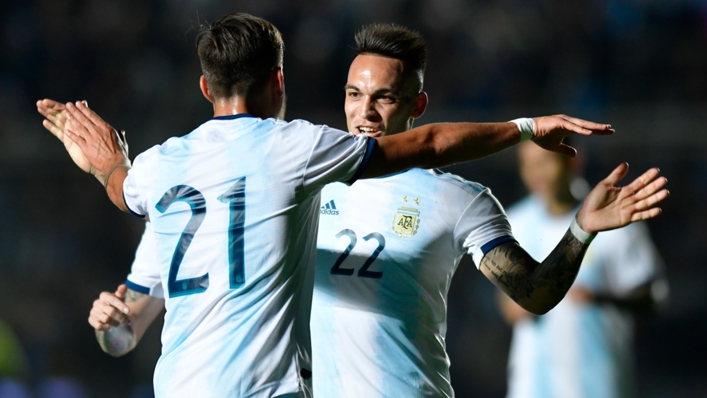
[(278, 82), (420, 105), (205, 89)]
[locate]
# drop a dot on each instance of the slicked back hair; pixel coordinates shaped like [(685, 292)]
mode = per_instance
[(394, 41), (237, 53)]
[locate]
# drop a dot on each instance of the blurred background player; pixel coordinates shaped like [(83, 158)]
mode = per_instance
[(248, 295), (379, 310), (583, 347)]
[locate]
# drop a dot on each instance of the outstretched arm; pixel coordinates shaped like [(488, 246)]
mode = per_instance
[(538, 287), (104, 147), (442, 144), (121, 319)]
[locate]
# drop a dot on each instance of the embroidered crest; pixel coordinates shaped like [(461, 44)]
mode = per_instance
[(406, 222)]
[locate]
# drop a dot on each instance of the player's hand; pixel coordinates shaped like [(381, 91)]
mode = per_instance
[(609, 207), (103, 146), (54, 120), (551, 130), (109, 310)]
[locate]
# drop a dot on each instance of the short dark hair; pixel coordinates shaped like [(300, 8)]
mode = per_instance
[(394, 41), (237, 53)]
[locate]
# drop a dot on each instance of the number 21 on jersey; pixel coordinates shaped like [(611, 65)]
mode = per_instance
[(235, 198)]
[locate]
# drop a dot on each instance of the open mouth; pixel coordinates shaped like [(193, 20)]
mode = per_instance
[(369, 131)]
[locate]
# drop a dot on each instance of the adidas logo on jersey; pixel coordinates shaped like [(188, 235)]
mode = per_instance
[(330, 209)]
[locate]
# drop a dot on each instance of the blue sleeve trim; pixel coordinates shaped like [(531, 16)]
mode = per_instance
[(495, 242), (137, 288), (366, 158), (131, 210)]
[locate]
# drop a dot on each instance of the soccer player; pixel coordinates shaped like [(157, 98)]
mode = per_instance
[(361, 331), (583, 347), (234, 207)]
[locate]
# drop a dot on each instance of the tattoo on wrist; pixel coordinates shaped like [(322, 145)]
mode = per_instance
[(132, 296)]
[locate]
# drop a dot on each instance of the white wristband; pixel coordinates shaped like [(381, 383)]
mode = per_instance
[(526, 126), (581, 235)]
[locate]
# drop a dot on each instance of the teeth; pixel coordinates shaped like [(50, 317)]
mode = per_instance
[(367, 129)]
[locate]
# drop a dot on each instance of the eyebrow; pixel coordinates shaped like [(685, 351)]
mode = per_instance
[(377, 92)]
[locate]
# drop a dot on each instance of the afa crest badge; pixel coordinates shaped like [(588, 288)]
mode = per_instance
[(406, 222)]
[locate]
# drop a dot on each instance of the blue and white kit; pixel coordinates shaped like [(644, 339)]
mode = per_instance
[(233, 207), (386, 252)]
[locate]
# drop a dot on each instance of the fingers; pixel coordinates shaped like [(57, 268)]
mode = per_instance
[(595, 127), (74, 114), (617, 175), (74, 132), (651, 188), (54, 129), (120, 291), (47, 106), (643, 180), (90, 115), (569, 126), (108, 310), (114, 301), (566, 150), (652, 200), (646, 215)]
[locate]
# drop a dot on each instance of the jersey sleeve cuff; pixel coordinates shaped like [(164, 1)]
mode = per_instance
[(136, 287), (131, 210), (364, 163), (479, 253)]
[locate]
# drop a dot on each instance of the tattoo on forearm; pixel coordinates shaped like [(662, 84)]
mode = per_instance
[(521, 276), (117, 340), (131, 296)]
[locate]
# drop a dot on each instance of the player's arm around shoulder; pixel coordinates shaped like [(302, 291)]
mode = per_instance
[(442, 144), (121, 319)]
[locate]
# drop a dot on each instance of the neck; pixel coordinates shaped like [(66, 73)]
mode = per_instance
[(229, 106)]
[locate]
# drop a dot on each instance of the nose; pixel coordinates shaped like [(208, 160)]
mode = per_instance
[(367, 108)]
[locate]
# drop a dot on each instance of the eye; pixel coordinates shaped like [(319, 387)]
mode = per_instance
[(387, 99), (353, 94)]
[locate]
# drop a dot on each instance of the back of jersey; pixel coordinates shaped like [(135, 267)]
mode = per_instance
[(234, 206)]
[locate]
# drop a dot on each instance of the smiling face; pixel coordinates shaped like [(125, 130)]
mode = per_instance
[(382, 98)]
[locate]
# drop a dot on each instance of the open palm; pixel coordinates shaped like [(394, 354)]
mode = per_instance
[(54, 120), (608, 207)]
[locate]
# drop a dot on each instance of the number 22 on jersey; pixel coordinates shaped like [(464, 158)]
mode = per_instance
[(363, 272), (235, 198)]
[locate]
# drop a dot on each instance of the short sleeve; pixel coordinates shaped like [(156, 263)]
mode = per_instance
[(630, 257), (482, 226), (336, 156), (137, 184), (144, 274)]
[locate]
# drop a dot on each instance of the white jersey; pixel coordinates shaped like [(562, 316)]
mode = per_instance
[(579, 350), (386, 252), (234, 207)]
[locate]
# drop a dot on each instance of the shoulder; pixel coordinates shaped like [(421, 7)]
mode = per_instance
[(451, 182), (470, 198), (147, 157)]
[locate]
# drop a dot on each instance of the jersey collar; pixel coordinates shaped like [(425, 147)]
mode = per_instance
[(232, 117)]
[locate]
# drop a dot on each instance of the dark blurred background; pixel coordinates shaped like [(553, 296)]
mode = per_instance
[(640, 65)]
